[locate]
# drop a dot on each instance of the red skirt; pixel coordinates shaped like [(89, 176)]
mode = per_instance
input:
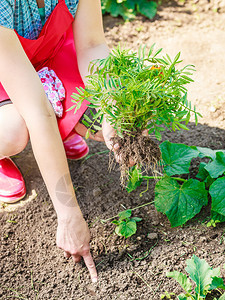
[(55, 49)]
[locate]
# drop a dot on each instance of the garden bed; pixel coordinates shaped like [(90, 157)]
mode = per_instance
[(31, 265)]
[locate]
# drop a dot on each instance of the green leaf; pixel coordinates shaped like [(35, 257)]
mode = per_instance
[(130, 4), (217, 166), (217, 192), (181, 279), (180, 202), (87, 118), (136, 219), (215, 216), (202, 173), (116, 222), (177, 157), (96, 127), (135, 179), (87, 134), (183, 297), (116, 9), (148, 9), (183, 126), (127, 229), (86, 123), (125, 214), (207, 152), (208, 181), (200, 272), (217, 283)]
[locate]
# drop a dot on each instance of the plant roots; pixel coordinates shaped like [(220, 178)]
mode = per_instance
[(137, 149)]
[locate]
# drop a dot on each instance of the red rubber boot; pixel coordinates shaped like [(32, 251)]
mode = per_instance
[(12, 186), (75, 146)]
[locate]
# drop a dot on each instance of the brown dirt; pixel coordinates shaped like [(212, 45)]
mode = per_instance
[(31, 265)]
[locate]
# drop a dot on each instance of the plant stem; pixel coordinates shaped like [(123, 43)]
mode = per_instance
[(142, 279), (160, 177), (145, 255), (104, 221)]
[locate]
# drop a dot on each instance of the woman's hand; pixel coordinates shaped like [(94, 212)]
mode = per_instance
[(73, 237)]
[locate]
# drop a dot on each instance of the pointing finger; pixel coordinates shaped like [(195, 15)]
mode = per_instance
[(91, 267)]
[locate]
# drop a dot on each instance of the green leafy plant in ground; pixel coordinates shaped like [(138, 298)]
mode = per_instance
[(128, 9), (181, 199), (206, 280), (125, 225)]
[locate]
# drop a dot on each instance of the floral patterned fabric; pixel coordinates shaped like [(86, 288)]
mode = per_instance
[(54, 89)]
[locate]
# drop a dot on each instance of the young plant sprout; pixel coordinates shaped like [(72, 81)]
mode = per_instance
[(138, 91)]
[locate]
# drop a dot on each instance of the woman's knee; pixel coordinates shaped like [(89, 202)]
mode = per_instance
[(13, 131)]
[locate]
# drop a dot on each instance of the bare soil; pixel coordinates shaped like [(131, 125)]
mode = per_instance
[(31, 265)]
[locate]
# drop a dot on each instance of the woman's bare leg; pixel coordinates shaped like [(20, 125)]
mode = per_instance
[(13, 131)]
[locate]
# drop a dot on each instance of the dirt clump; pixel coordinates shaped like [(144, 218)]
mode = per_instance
[(142, 150)]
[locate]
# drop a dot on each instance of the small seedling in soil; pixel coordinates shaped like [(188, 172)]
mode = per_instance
[(168, 296), (208, 283), (134, 92), (125, 225)]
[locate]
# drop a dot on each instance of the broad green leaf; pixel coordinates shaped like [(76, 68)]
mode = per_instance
[(125, 214), (177, 157), (148, 9), (207, 152), (126, 229), (180, 202), (181, 279), (217, 192), (202, 173), (114, 8), (200, 272), (208, 181), (217, 166), (217, 283), (130, 4)]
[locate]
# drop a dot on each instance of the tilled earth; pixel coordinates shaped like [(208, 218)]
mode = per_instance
[(31, 265)]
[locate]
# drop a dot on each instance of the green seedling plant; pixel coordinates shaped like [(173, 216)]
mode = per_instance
[(136, 91), (128, 9), (207, 280), (125, 224), (167, 296), (179, 198)]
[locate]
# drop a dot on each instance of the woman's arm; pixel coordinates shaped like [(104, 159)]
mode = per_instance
[(24, 88), (89, 35)]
